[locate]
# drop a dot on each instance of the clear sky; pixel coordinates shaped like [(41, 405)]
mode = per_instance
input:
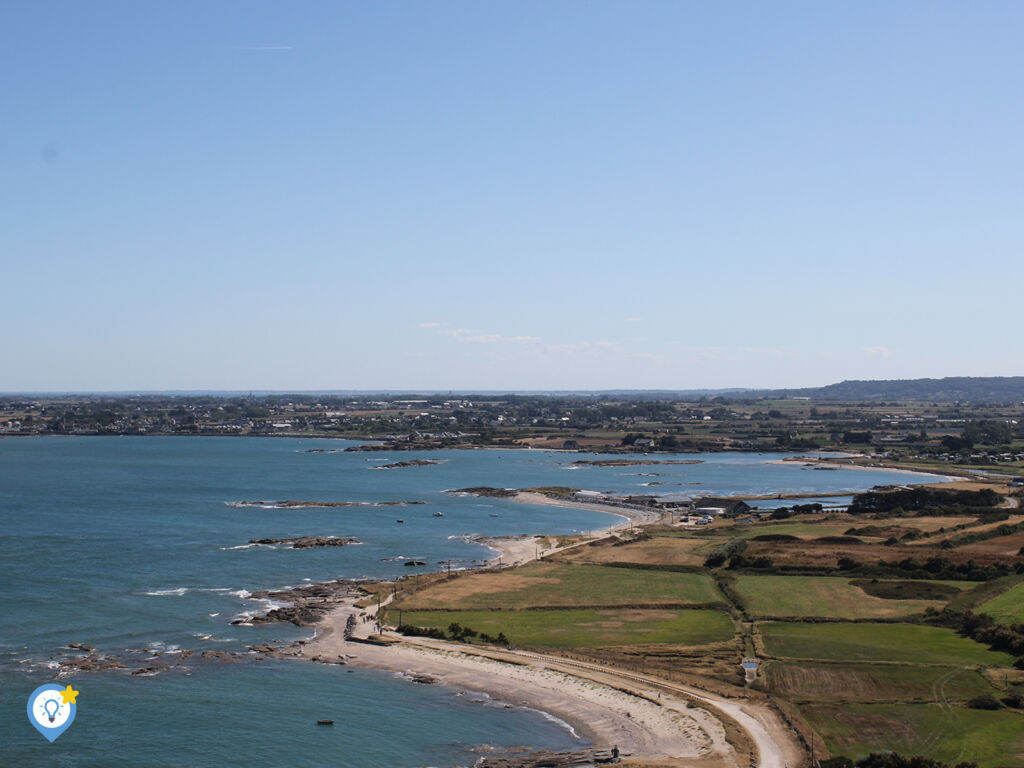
[(508, 195)]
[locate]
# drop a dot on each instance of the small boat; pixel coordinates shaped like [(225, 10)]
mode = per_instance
[(325, 722), (439, 514), (399, 521)]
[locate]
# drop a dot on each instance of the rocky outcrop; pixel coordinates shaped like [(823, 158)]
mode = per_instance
[(292, 504), (304, 606), (309, 542), (413, 463), (93, 662), (544, 758), (487, 491), (632, 462)]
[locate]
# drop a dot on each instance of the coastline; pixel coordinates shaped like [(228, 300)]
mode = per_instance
[(646, 719), (606, 706), (520, 549), (809, 461), (601, 714)]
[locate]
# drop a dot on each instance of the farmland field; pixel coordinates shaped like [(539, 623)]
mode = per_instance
[(660, 550), (1004, 546), (820, 597), (809, 529), (575, 628), (949, 734), (910, 643), (872, 682), (1008, 608), (551, 584)]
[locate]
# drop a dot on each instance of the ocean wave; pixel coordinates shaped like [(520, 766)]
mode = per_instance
[(178, 592), (470, 537), (291, 504), (556, 720), (264, 606), (160, 647), (233, 591), (240, 546)]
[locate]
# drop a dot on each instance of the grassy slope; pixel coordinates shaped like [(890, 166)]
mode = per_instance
[(576, 628), (1008, 608), (909, 643), (820, 597), (808, 681), (950, 734), (549, 584)]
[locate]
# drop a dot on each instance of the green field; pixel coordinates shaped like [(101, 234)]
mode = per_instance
[(809, 529), (1008, 608), (580, 628), (910, 643), (820, 597), (804, 681), (946, 733), (551, 584)]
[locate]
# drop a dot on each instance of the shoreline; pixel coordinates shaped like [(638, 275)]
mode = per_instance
[(599, 705), (603, 705), (595, 711), (861, 467)]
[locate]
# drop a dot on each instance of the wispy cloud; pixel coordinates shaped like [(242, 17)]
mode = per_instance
[(431, 325), (497, 338), (876, 351), (584, 346), (457, 332)]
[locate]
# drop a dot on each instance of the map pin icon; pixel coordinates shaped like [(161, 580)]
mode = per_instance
[(51, 709)]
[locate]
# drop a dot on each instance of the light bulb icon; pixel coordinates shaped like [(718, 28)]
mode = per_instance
[(51, 707)]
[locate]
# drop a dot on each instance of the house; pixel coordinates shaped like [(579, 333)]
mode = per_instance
[(722, 506), (644, 442), (588, 496), (1018, 482)]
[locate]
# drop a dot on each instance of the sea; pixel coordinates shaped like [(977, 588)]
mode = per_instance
[(139, 544)]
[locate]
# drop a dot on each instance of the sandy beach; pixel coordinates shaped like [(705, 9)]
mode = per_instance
[(651, 721), (606, 715), (809, 461), (517, 550)]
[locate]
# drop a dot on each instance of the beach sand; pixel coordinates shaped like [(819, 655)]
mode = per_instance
[(602, 713), (810, 461), (652, 721)]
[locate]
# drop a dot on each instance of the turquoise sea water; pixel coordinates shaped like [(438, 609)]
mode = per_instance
[(130, 543)]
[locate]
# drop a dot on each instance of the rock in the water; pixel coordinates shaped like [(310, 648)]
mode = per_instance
[(309, 542)]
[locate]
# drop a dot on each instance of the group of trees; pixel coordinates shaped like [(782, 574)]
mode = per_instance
[(982, 628), (456, 632), (891, 760), (924, 501)]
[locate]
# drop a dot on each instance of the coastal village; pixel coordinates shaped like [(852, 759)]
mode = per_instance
[(702, 630)]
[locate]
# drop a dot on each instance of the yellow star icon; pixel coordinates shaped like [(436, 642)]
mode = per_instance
[(69, 694)]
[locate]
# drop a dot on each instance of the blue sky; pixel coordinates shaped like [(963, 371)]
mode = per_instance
[(528, 195)]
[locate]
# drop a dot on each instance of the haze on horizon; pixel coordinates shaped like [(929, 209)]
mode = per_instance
[(528, 196)]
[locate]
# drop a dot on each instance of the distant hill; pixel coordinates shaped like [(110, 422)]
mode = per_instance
[(975, 389)]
